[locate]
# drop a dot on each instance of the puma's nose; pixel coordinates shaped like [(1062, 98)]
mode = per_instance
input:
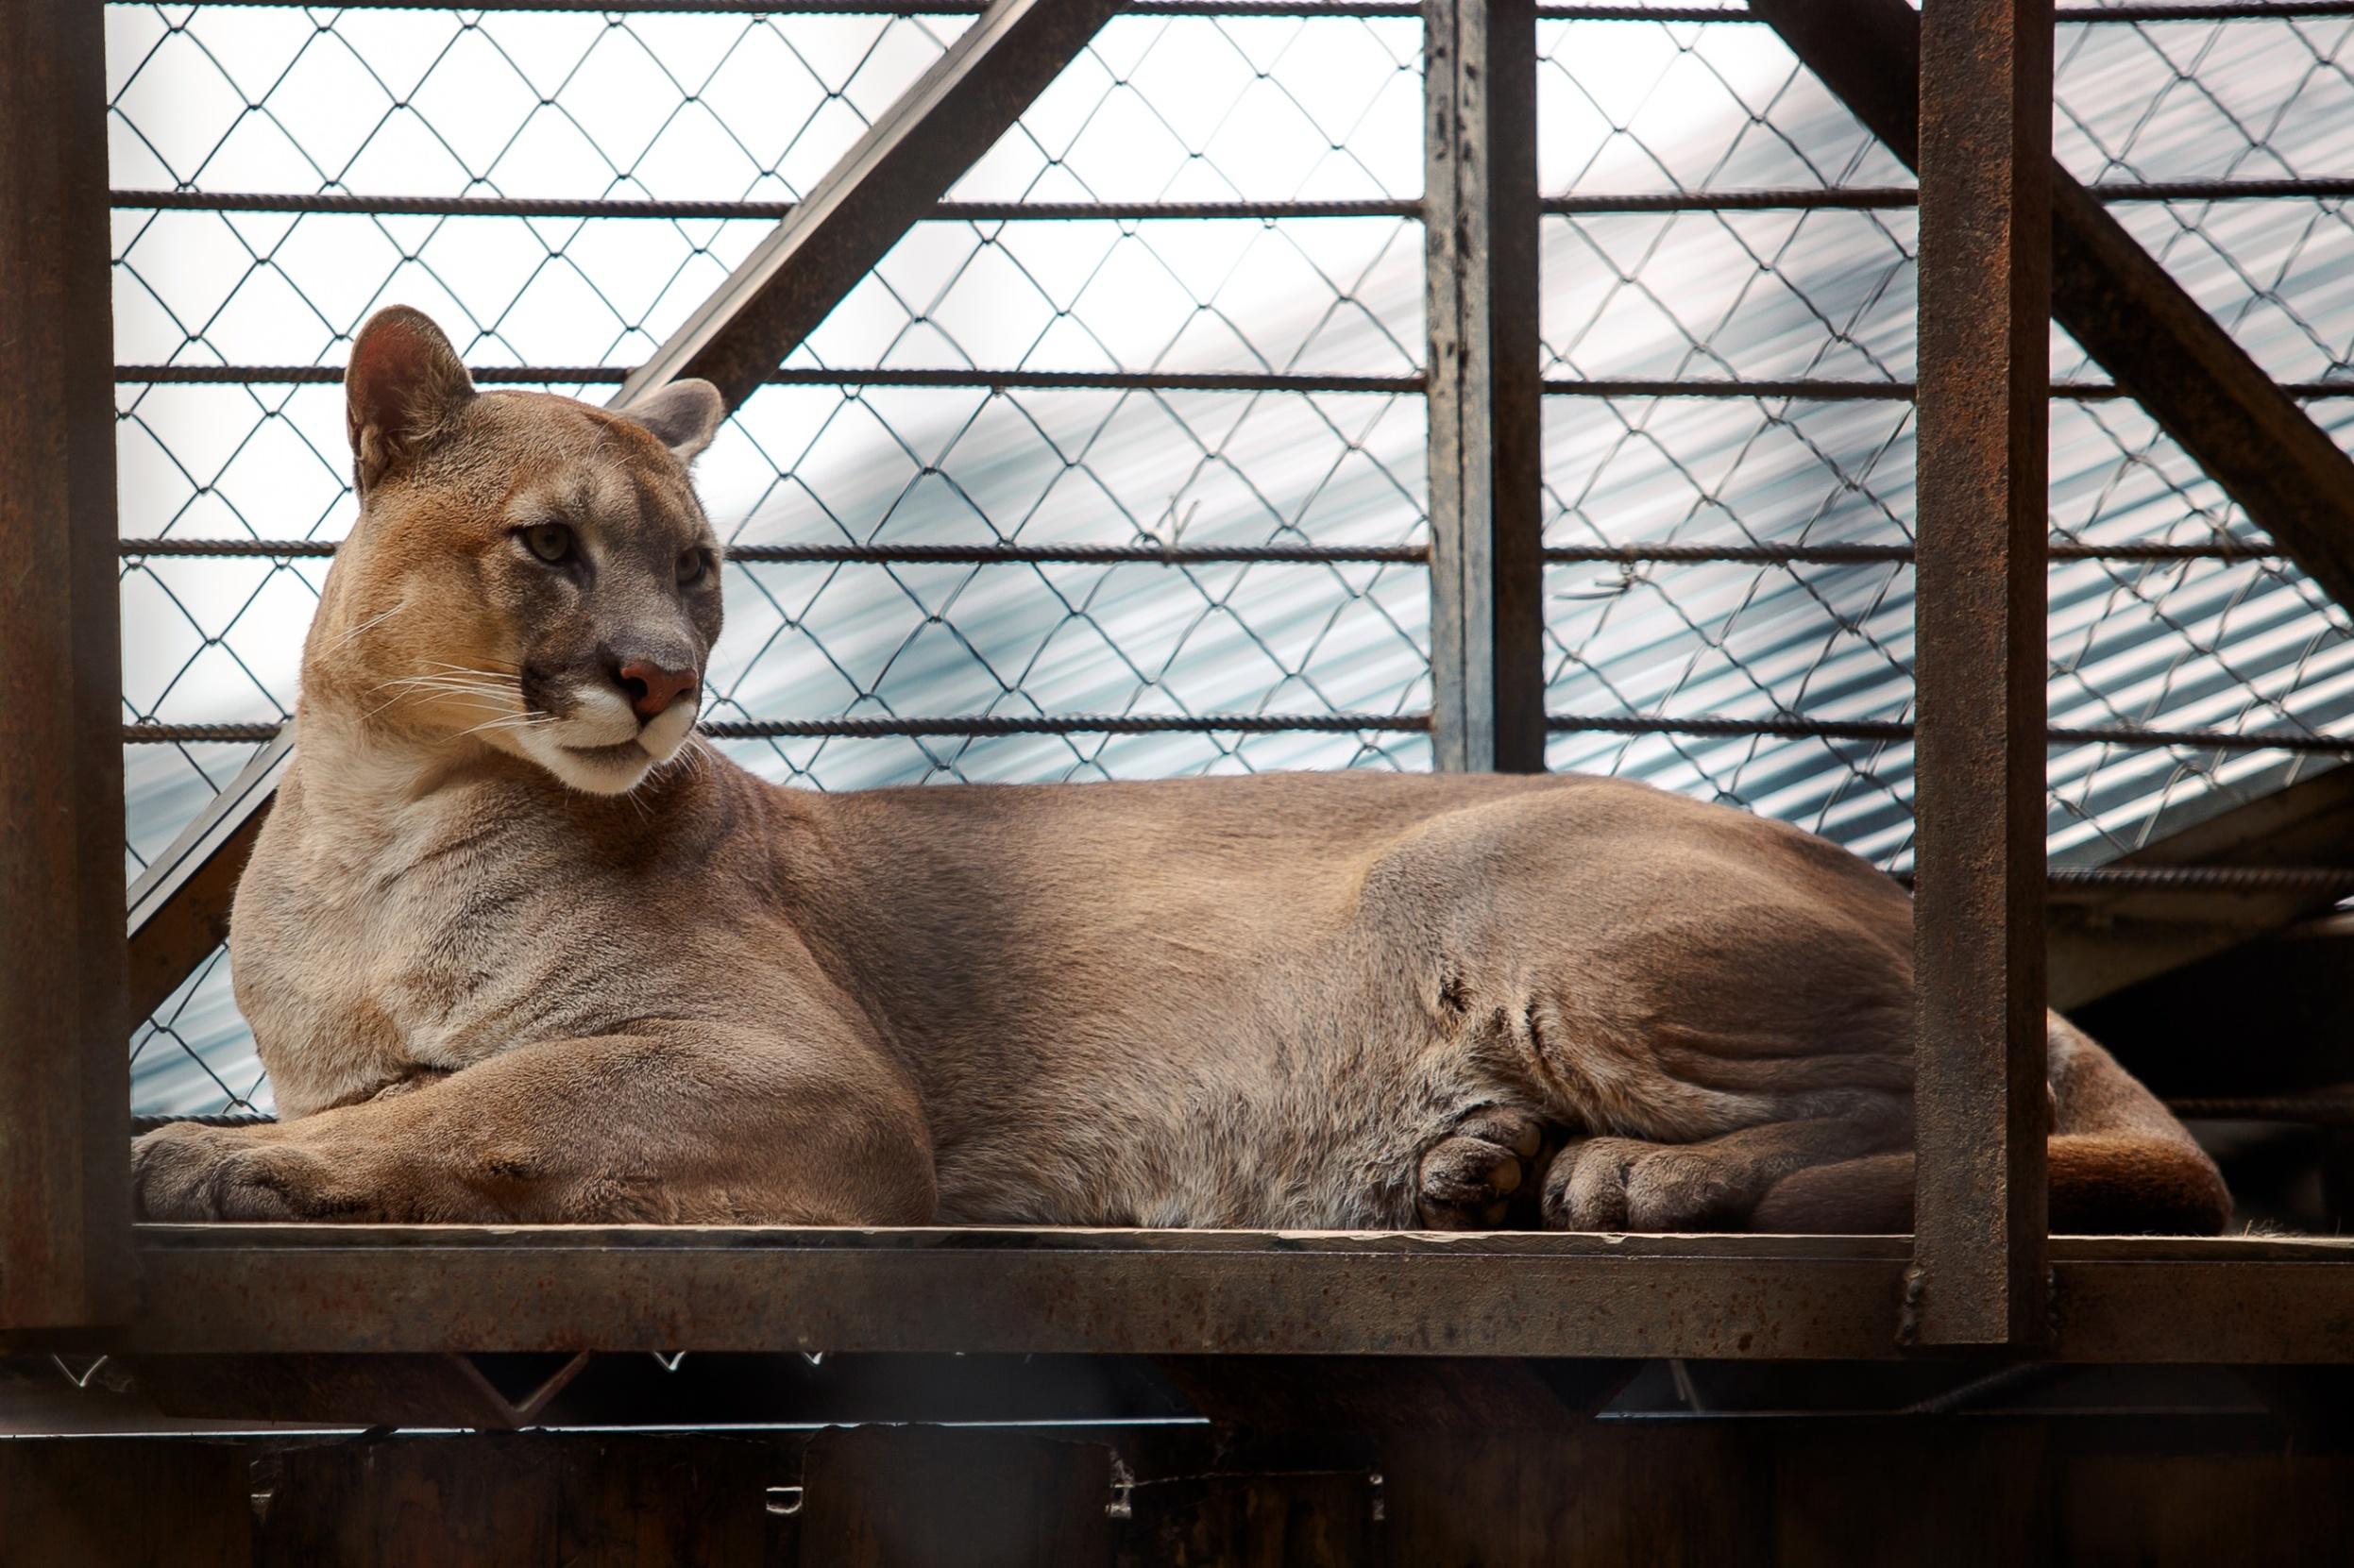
[(652, 687)]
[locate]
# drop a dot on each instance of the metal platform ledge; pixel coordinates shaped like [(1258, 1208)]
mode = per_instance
[(279, 1288)]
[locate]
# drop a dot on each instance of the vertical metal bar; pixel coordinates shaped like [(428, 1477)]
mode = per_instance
[(1981, 1106), (1480, 218), (65, 1079)]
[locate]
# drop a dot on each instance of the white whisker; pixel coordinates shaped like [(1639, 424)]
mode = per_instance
[(511, 721), (371, 621), (480, 692)]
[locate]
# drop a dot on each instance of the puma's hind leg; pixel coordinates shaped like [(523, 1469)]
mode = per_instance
[(2120, 1164), (1625, 1184)]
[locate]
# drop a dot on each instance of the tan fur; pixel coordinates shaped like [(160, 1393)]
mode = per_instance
[(490, 987)]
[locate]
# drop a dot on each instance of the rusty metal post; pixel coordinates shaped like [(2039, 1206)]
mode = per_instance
[(1480, 220), (1981, 1108), (64, 1076)]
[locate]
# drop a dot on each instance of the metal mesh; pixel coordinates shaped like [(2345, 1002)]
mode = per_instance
[(453, 104), (2252, 644), (732, 107), (1828, 293)]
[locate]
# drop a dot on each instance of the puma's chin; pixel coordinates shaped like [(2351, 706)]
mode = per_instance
[(599, 767), (599, 747)]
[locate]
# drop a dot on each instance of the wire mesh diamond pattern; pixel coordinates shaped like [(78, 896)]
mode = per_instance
[(574, 107), (581, 107), (2238, 645), (1829, 293)]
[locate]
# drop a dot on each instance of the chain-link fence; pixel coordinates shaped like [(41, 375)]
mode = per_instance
[(1819, 289), (1081, 386), (733, 108)]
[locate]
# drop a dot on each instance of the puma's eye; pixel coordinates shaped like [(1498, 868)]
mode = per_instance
[(550, 542), (691, 568)]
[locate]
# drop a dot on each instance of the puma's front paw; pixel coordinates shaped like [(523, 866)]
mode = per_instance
[(188, 1171), (1467, 1179)]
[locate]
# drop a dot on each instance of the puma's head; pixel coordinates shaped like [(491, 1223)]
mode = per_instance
[(528, 573)]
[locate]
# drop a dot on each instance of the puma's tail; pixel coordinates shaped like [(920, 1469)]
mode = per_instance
[(2120, 1164)]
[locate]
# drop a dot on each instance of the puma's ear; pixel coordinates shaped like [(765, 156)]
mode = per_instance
[(403, 390), (684, 416)]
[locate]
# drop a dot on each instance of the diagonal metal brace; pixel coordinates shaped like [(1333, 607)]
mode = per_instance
[(896, 174), (2120, 304)]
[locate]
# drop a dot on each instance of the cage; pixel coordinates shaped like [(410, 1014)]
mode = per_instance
[(1121, 391)]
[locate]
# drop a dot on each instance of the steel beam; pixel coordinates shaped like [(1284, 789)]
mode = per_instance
[(2102, 940), (65, 1074), (1484, 390), (277, 1289), (1980, 1102), (179, 908), (2120, 304), (890, 179)]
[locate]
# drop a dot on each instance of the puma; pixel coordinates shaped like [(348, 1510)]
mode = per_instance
[(517, 947)]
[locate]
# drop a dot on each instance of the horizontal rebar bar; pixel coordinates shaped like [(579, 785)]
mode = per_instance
[(895, 555), (1854, 555), (975, 725), (2232, 11), (559, 207), (2191, 879), (1184, 555), (2243, 10), (1079, 555), (1359, 8), (1122, 724), (1793, 728), (2204, 879), (1875, 197), (2323, 1109), (578, 375), (2225, 10), (1807, 390), (1856, 198), (333, 375), (1842, 198), (2223, 190), (1801, 390), (888, 555), (1067, 724), (1783, 729)]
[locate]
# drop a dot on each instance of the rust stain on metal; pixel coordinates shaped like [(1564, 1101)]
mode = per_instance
[(1980, 1102), (64, 1186)]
